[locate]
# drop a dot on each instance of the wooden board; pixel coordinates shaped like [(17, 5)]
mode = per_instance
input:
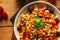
[(6, 33), (58, 4)]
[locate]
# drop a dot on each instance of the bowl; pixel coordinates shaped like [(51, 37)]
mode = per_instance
[(25, 7)]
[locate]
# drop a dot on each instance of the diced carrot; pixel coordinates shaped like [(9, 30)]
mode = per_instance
[(23, 28), (22, 39), (46, 38), (47, 14), (28, 31), (55, 38), (56, 26), (53, 22), (41, 32), (27, 38), (47, 20), (39, 14)]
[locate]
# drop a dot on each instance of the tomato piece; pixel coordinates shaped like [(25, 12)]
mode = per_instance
[(33, 7), (23, 38), (55, 19), (29, 37), (20, 24), (48, 18), (40, 6)]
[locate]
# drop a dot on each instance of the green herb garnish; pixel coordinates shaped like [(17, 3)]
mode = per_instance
[(38, 23)]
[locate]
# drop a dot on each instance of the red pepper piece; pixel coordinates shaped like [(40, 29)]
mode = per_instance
[(56, 26), (20, 24), (28, 31), (46, 38)]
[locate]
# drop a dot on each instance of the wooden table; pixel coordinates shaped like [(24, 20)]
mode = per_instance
[(6, 27), (11, 7)]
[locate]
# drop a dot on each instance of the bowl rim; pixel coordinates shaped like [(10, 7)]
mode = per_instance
[(25, 7)]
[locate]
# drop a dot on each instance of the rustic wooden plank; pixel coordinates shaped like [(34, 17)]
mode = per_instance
[(5, 23), (58, 4), (6, 33), (13, 37)]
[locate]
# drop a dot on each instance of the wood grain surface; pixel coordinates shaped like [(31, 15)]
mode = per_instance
[(11, 7), (6, 33)]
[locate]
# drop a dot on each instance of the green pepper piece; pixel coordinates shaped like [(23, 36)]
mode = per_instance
[(36, 19), (42, 24)]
